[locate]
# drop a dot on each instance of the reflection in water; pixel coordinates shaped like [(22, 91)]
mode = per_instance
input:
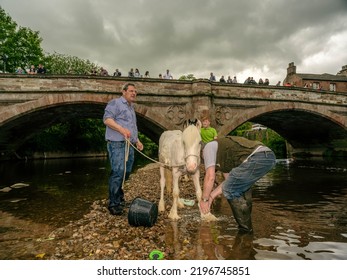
[(282, 247), (242, 248), (239, 247), (207, 241), (58, 191), (298, 213), (298, 210)]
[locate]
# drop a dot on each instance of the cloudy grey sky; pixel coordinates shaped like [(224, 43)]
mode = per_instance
[(227, 37)]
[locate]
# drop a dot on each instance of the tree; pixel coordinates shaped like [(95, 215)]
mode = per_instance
[(7, 27), (189, 77), (65, 64), (26, 49), (20, 45), (269, 137)]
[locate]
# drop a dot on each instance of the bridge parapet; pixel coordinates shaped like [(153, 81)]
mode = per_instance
[(28, 84)]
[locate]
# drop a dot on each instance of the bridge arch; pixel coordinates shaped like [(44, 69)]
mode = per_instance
[(25, 120), (306, 130), (260, 115)]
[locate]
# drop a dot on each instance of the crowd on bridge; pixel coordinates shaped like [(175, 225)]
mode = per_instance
[(137, 74), (131, 73), (40, 69)]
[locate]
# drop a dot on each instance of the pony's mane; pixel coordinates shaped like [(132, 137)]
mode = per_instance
[(191, 135)]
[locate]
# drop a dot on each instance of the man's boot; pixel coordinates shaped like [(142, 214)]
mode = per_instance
[(248, 196), (242, 213)]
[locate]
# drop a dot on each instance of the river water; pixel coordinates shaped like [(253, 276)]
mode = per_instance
[(299, 209)]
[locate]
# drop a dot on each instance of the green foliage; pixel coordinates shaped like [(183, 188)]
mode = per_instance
[(66, 64), (149, 147), (85, 135), (242, 129), (189, 77), (75, 136), (278, 145), (7, 26), (267, 136), (78, 136), (21, 45)]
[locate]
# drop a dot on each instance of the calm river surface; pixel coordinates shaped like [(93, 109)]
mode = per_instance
[(299, 208)]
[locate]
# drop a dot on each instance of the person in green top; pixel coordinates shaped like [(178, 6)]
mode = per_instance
[(207, 132)]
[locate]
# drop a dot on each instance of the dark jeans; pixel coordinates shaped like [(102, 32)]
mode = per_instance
[(116, 152), (242, 177)]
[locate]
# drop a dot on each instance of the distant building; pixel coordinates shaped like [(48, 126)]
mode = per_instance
[(325, 82)]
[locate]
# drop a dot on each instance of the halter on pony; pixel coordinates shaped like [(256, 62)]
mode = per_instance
[(189, 124)]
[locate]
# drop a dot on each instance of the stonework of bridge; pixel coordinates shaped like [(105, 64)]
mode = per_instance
[(312, 122)]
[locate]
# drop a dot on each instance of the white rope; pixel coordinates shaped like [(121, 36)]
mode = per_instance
[(126, 157), (162, 164), (127, 140)]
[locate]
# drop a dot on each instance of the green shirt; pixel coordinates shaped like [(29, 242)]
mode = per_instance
[(208, 134)]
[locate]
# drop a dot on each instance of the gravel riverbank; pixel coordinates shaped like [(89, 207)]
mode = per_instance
[(99, 235)]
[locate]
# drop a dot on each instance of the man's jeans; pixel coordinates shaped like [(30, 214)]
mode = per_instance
[(116, 152), (242, 177)]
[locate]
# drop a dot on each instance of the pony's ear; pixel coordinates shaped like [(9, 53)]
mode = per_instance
[(196, 122), (193, 121)]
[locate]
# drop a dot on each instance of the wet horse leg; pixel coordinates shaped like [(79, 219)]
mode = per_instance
[(175, 194), (161, 207), (168, 180)]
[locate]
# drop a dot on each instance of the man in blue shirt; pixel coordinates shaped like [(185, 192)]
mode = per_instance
[(120, 121)]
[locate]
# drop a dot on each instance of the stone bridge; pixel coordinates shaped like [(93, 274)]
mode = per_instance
[(313, 122)]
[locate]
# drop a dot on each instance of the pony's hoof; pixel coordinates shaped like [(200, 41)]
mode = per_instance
[(180, 203), (174, 217), (161, 207)]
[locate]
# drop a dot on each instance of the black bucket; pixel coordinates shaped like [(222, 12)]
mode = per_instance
[(142, 213)]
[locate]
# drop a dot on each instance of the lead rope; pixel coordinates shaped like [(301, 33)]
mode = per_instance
[(162, 164), (126, 157), (129, 143)]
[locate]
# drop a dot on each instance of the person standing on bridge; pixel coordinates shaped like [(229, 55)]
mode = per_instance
[(243, 162), (168, 75), (212, 77), (120, 121)]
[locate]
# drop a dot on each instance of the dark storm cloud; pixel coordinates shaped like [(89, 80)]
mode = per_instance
[(244, 38)]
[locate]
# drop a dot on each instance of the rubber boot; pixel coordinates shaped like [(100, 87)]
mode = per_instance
[(243, 247), (242, 213), (248, 196)]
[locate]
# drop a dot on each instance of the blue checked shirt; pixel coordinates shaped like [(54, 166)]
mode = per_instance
[(123, 114)]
